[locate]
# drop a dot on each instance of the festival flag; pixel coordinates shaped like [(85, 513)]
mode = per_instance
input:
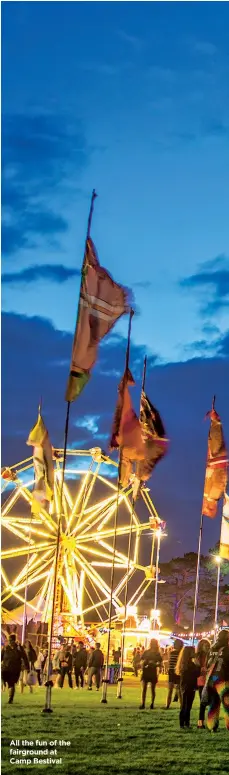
[(224, 537), (43, 465), (126, 430), (101, 304), (154, 438), (217, 464)]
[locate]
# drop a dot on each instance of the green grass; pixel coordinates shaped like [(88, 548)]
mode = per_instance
[(113, 738)]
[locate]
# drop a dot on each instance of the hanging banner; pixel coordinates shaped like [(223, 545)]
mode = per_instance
[(224, 538)]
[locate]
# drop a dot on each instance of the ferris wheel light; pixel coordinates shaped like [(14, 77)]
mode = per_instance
[(86, 544)]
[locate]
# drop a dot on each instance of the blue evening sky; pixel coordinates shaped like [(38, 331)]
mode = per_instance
[(131, 98), (144, 88)]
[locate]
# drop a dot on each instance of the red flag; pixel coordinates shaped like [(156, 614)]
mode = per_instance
[(126, 431), (102, 302), (217, 465)]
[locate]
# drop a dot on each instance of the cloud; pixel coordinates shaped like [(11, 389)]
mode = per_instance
[(133, 40), (212, 281), (39, 152), (35, 361), (215, 128), (56, 273), (205, 47), (144, 284), (89, 422)]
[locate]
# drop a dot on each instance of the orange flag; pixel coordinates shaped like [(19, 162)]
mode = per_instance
[(126, 431), (217, 465)]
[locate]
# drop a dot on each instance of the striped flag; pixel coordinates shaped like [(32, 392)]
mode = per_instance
[(43, 465), (224, 537), (101, 304), (217, 465)]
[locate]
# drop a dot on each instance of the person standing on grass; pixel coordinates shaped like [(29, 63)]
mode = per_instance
[(216, 689), (65, 661), (151, 661), (13, 654), (188, 672), (95, 665), (174, 680), (201, 658), (136, 661), (79, 662), (38, 665)]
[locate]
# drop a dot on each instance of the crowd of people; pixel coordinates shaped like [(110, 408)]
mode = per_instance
[(30, 665), (204, 669)]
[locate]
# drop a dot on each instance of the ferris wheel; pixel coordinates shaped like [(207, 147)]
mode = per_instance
[(89, 541)]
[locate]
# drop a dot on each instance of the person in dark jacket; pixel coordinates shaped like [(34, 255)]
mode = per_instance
[(13, 655), (201, 659), (174, 680), (65, 662), (188, 672), (95, 665), (216, 690), (152, 660), (79, 664)]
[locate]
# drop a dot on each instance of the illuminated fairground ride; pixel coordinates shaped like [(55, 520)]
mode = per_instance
[(86, 545)]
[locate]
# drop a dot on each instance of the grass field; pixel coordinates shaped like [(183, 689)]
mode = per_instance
[(113, 738)]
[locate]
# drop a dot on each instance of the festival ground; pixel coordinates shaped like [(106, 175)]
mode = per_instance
[(117, 738)]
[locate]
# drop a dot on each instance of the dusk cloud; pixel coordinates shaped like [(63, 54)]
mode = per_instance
[(38, 153), (212, 281), (36, 359), (205, 47), (56, 273)]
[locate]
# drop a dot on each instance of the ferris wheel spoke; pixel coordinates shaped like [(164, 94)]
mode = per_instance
[(122, 557), (22, 600), (121, 531), (8, 553), (16, 532), (139, 594), (77, 510), (43, 592), (98, 605), (23, 572), (98, 553), (11, 500), (123, 581), (92, 574), (94, 606), (98, 595)]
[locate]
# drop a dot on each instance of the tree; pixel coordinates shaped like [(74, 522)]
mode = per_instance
[(176, 596)]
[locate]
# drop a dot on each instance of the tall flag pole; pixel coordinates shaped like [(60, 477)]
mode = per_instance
[(47, 708), (120, 678), (214, 486), (119, 484)]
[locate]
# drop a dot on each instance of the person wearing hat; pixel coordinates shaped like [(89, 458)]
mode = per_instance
[(12, 656), (216, 689)]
